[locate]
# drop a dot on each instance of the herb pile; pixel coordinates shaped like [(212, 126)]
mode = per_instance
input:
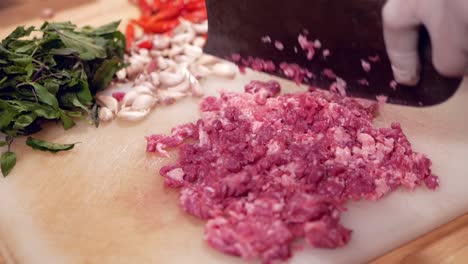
[(52, 73)]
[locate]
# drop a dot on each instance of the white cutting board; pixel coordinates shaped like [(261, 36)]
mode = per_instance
[(104, 202)]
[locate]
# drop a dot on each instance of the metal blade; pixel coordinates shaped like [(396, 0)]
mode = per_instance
[(350, 29)]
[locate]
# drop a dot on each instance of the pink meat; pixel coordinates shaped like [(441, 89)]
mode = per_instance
[(263, 90), (266, 174), (279, 45), (307, 46), (374, 59), (394, 85), (329, 73), (363, 82), (257, 64), (295, 72), (366, 66), (118, 96)]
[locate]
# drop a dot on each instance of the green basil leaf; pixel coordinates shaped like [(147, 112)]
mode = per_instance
[(19, 32), (95, 115), (44, 95), (58, 26), (67, 122), (83, 45), (24, 121), (25, 47), (102, 30), (43, 145), (7, 162), (105, 73), (63, 51)]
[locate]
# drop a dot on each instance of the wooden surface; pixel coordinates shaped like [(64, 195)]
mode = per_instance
[(106, 204)]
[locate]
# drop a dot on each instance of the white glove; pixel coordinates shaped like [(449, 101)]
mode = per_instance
[(447, 23)]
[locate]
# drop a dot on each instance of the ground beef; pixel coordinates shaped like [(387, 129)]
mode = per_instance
[(265, 173), (295, 72), (256, 64)]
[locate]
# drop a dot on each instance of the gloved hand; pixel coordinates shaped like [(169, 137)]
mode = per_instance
[(447, 23)]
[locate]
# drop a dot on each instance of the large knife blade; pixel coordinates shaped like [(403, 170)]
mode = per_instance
[(350, 30)]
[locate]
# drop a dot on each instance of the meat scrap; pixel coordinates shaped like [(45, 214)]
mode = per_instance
[(264, 174)]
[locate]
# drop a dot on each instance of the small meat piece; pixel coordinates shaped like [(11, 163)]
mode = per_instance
[(295, 72), (252, 237), (339, 87), (307, 46), (382, 100), (326, 233), (394, 85), (257, 64), (118, 96), (363, 82), (279, 45), (366, 66), (263, 90), (329, 73), (267, 173), (374, 59), (266, 39)]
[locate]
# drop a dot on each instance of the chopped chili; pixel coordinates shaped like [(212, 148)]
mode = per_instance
[(147, 44), (130, 35), (159, 16)]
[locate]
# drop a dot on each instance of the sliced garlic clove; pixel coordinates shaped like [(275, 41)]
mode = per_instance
[(182, 87), (172, 77), (183, 27), (143, 101), (141, 78), (193, 51), (195, 86), (161, 42), (201, 28), (109, 102), (199, 71), (154, 76), (143, 89), (129, 98), (162, 63), (155, 53), (183, 59), (171, 63), (174, 51), (143, 52), (183, 38), (169, 97), (121, 74), (207, 60), (225, 70), (132, 115), (199, 42), (105, 114)]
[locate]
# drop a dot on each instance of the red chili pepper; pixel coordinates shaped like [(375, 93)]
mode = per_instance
[(157, 4), (161, 26), (171, 3), (197, 16), (145, 45), (195, 5), (130, 35), (166, 14), (145, 8)]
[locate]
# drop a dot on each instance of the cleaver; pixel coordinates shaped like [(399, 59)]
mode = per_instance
[(349, 34)]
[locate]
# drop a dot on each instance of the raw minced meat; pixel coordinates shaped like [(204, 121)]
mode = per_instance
[(266, 172)]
